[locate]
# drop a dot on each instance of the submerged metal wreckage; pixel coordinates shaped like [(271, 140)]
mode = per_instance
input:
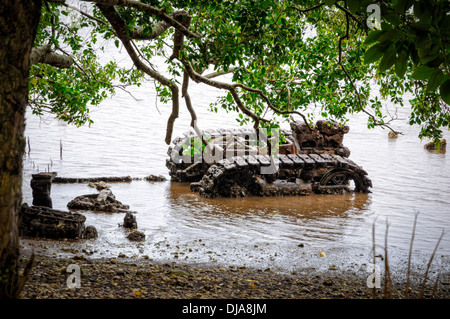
[(242, 162)]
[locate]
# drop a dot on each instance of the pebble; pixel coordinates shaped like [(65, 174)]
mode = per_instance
[(127, 278)]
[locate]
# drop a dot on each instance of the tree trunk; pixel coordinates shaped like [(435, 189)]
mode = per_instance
[(18, 25)]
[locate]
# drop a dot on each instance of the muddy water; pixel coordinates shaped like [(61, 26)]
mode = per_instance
[(285, 233)]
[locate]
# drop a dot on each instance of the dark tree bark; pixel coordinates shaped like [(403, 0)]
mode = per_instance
[(18, 26)]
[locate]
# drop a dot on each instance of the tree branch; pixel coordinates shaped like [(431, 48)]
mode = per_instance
[(178, 38), (221, 85), (362, 108), (347, 12), (158, 28), (87, 15), (269, 103), (160, 13), (118, 25), (187, 98), (43, 54), (219, 73)]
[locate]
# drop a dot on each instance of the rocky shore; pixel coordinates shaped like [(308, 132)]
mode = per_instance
[(124, 277)]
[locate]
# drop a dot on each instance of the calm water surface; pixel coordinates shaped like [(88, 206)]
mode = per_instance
[(286, 233)]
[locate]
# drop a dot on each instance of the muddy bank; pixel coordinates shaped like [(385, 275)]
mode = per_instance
[(125, 277)]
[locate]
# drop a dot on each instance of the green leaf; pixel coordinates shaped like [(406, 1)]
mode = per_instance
[(230, 97), (373, 36), (401, 64), (424, 47), (421, 11), (422, 73), (329, 2), (390, 35), (374, 53), (388, 60), (403, 5), (435, 80), (393, 19), (116, 42), (353, 5), (445, 91)]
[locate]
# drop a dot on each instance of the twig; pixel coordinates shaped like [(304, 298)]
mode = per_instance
[(374, 291), (435, 285), (428, 267), (156, 100), (269, 103), (119, 26), (87, 15), (198, 16), (346, 37), (60, 149), (409, 257), (347, 12), (387, 272), (26, 274), (143, 7), (222, 85)]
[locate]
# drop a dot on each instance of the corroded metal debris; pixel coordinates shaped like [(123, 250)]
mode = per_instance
[(45, 222), (238, 163)]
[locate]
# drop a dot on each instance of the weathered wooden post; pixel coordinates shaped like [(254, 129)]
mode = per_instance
[(41, 185)]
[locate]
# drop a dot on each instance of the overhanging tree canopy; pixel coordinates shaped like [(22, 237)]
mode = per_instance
[(283, 56)]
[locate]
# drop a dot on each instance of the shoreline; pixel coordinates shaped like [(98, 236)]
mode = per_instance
[(139, 277)]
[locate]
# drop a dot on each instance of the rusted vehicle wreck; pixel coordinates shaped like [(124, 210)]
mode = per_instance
[(242, 162)]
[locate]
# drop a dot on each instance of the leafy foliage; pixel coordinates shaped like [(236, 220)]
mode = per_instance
[(69, 92), (414, 41), (285, 58)]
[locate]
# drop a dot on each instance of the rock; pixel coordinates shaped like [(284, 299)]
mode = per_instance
[(431, 146), (328, 282), (392, 134), (41, 185), (90, 233), (120, 272), (129, 221), (104, 194), (155, 178), (100, 185), (136, 236), (323, 136), (45, 222), (305, 290), (105, 201)]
